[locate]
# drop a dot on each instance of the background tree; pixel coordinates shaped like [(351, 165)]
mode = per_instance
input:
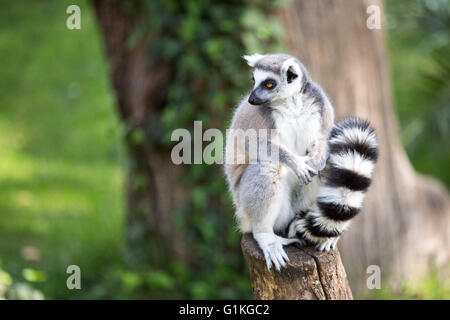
[(173, 62)]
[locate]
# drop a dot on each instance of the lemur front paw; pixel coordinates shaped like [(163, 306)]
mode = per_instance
[(317, 164), (304, 171), (272, 248)]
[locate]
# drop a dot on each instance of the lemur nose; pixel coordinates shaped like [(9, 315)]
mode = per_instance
[(254, 100)]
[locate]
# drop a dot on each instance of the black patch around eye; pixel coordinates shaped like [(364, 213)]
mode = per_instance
[(270, 81), (291, 75)]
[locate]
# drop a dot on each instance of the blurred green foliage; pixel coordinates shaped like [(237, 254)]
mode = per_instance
[(435, 286), (419, 33), (20, 290), (62, 164)]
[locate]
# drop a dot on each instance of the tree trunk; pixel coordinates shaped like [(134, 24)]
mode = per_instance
[(154, 192), (309, 275), (406, 218)]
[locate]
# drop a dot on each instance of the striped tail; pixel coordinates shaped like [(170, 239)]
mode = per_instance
[(353, 153)]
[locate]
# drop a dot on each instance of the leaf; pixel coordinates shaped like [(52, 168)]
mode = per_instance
[(34, 275)]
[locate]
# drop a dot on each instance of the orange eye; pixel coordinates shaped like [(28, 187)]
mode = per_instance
[(269, 85), (253, 81)]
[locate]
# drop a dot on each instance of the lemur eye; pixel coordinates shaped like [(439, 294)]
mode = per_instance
[(269, 85)]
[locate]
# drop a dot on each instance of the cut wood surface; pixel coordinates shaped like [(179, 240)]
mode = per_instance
[(309, 275)]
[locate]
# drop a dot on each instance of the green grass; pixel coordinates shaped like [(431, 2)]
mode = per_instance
[(434, 286), (60, 154)]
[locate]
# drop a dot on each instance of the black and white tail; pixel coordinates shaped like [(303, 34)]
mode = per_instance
[(353, 153)]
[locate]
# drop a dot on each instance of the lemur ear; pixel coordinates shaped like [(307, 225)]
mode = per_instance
[(290, 70), (291, 75), (253, 59)]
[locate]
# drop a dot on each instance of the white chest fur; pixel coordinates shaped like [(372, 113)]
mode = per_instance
[(297, 125)]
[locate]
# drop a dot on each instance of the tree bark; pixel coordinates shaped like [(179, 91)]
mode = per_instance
[(309, 275), (405, 223), (153, 189)]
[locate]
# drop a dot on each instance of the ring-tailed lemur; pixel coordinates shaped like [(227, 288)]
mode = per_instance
[(273, 195)]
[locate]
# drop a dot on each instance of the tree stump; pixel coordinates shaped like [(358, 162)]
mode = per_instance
[(309, 275)]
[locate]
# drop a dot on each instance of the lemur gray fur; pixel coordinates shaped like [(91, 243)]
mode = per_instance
[(286, 196)]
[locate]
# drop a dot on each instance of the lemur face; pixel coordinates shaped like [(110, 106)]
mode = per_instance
[(266, 87), (275, 77)]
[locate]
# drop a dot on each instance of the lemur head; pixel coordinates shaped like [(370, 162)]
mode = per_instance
[(275, 77)]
